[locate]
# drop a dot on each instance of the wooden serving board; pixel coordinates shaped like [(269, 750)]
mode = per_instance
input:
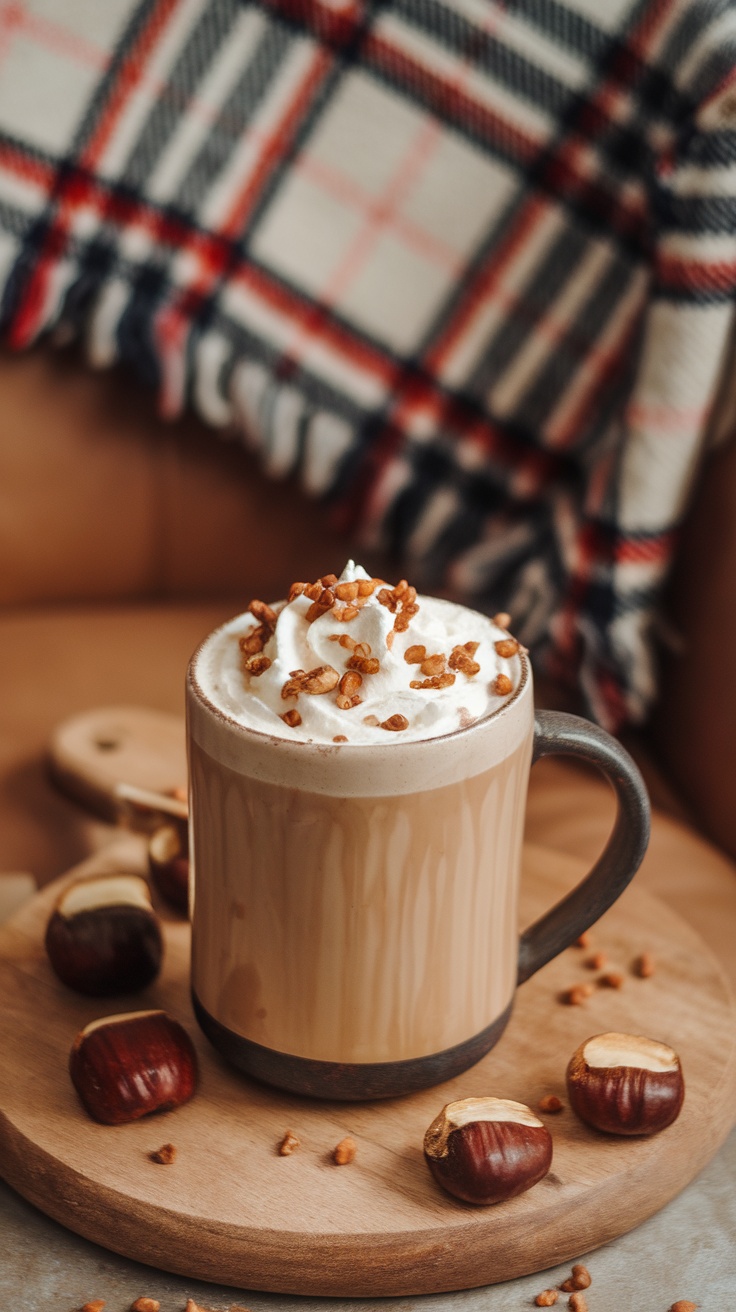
[(230, 1209), (90, 754)]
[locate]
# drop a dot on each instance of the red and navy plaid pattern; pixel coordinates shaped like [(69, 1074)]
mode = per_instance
[(467, 267)]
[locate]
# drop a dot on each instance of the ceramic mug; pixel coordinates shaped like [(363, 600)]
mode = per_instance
[(354, 907)]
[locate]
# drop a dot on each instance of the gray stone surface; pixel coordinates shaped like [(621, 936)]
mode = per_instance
[(688, 1250)]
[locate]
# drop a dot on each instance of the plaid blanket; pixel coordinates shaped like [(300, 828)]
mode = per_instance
[(467, 267)]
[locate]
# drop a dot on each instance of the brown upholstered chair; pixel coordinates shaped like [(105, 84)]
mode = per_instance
[(123, 540)]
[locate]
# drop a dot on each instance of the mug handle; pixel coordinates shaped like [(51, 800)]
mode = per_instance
[(569, 735)]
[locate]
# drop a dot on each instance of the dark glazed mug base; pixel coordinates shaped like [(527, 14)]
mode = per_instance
[(347, 1081)]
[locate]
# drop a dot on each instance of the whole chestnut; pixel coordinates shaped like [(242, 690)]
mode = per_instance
[(168, 862), (625, 1084), (127, 1066), (103, 936), (485, 1150)]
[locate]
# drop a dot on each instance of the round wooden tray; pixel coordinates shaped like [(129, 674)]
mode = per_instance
[(230, 1209)]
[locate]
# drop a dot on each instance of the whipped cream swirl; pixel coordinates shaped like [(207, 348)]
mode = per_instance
[(438, 669)]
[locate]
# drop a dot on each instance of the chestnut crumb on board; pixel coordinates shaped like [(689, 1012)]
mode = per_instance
[(289, 1142), (683, 1305), (547, 1298), (597, 961), (578, 1302), (550, 1103), (580, 1279), (95, 1305), (345, 1151), (144, 1304), (644, 966), (164, 1155), (576, 995)]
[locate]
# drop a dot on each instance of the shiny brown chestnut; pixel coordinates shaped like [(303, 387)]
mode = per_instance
[(103, 936), (625, 1084), (485, 1150), (168, 862), (127, 1066)]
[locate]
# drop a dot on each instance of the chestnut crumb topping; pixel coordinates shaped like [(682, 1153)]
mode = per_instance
[(252, 643), (164, 1155), (547, 1298), (502, 620), (339, 738), (288, 1144), (644, 966), (395, 723), (344, 1152), (502, 685), (263, 613), (432, 665), (347, 703), (256, 665), (324, 602), (364, 664), (461, 659), (507, 647), (415, 655), (402, 602), (292, 718), (350, 683), (320, 680), (437, 681), (550, 1103)]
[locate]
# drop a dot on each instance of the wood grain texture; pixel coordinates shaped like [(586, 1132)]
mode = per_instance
[(230, 1209)]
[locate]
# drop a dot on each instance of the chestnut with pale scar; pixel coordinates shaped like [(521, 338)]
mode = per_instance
[(127, 1066), (625, 1084), (486, 1150), (103, 936), (168, 863)]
